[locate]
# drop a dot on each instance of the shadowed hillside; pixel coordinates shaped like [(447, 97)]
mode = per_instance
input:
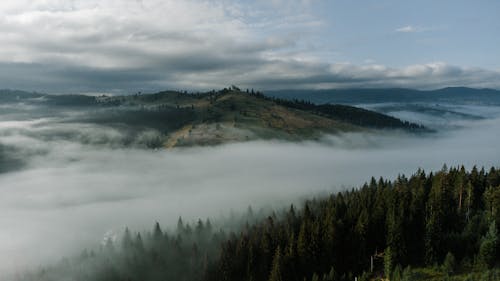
[(233, 115), (211, 118)]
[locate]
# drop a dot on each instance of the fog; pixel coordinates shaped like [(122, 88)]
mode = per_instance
[(60, 195)]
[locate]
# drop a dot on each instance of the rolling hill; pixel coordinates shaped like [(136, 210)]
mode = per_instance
[(232, 115), (211, 118)]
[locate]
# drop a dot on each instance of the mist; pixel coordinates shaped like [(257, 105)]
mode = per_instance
[(61, 194)]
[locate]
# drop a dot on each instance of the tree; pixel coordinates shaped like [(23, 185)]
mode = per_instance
[(157, 233), (388, 262), (126, 240), (449, 263), (276, 271), (397, 274), (492, 200), (408, 275), (488, 248), (331, 276), (435, 220), (139, 245), (180, 225)]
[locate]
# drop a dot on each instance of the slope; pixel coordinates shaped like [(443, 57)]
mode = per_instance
[(233, 115)]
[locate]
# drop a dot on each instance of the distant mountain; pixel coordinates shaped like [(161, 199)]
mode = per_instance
[(396, 95), (7, 95), (34, 97)]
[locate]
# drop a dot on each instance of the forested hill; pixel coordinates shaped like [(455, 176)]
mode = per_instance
[(229, 115), (437, 226)]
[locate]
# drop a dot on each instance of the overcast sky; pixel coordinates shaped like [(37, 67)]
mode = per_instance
[(91, 46)]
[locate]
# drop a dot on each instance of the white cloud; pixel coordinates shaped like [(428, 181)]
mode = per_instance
[(408, 29), (149, 45), (417, 29)]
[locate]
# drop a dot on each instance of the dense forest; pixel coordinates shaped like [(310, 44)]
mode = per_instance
[(350, 114), (430, 226), (353, 115)]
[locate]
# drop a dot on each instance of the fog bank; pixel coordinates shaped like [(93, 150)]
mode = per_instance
[(69, 195)]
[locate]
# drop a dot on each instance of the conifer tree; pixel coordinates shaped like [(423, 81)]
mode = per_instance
[(276, 270), (489, 245)]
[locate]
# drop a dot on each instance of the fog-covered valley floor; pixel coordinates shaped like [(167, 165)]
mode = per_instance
[(68, 185)]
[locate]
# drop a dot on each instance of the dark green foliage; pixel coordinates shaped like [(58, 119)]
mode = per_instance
[(413, 221), (164, 119), (353, 115), (488, 249), (277, 267), (349, 114), (449, 263), (417, 221), (180, 255), (388, 262)]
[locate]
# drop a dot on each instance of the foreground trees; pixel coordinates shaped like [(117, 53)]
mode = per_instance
[(450, 217)]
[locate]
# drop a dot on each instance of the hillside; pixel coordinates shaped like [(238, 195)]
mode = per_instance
[(229, 115), (233, 115)]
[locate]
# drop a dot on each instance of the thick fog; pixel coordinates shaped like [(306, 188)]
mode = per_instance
[(60, 195)]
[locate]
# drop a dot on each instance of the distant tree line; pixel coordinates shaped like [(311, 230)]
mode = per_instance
[(354, 115), (350, 114)]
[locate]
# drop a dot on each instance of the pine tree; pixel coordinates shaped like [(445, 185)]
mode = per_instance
[(157, 232), (397, 273), (180, 225), (276, 270), (127, 240), (139, 245), (488, 248), (388, 262)]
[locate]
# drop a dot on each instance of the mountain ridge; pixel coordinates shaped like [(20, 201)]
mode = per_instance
[(382, 95)]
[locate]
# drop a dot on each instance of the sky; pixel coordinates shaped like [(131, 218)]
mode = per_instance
[(125, 46)]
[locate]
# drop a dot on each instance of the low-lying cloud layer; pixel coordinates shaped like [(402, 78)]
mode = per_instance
[(147, 45), (69, 195)]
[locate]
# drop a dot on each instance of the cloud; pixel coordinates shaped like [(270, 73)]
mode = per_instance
[(202, 72), (409, 29), (418, 29), (128, 46)]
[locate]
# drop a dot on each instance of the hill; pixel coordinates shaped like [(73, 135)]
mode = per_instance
[(233, 115), (211, 118)]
